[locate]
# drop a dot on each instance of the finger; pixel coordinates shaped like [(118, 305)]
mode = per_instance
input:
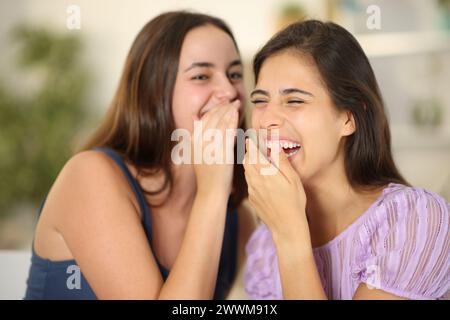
[(249, 168), (257, 158), (281, 162), (212, 103), (209, 119), (215, 117), (251, 171), (231, 117), (248, 159)]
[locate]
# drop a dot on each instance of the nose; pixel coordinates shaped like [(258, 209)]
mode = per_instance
[(225, 90), (271, 118)]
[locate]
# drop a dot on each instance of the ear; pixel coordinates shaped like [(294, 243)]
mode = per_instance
[(349, 124)]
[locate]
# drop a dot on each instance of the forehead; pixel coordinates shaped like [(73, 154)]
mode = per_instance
[(289, 69), (207, 44)]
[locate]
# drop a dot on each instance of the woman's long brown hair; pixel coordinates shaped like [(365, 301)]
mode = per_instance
[(351, 83), (139, 122)]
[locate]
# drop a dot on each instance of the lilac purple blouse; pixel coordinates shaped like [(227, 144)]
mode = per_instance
[(400, 245)]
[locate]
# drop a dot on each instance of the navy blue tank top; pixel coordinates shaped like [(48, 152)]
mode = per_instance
[(63, 279)]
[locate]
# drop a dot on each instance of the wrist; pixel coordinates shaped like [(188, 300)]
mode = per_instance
[(212, 195), (294, 238), (295, 251)]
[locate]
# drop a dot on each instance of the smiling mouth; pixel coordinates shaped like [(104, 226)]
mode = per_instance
[(290, 148)]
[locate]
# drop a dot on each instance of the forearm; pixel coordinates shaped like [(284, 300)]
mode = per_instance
[(194, 273), (299, 276)]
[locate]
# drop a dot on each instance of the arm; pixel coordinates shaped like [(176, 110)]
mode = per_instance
[(194, 272), (299, 276), (294, 256), (280, 201), (97, 218), (103, 230), (364, 292)]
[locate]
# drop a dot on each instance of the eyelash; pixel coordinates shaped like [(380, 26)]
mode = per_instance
[(257, 101), (296, 101), (289, 102)]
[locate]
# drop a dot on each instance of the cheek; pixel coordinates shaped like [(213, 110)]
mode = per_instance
[(186, 106), (321, 140)]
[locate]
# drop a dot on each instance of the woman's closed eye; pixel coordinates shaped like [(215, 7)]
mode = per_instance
[(295, 102), (257, 102), (292, 102)]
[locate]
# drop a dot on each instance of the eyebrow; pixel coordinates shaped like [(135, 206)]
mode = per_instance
[(236, 62), (282, 92)]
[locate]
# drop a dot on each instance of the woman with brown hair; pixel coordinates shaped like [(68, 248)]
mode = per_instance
[(121, 214), (340, 222)]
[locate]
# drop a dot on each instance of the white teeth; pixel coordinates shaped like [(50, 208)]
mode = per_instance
[(283, 144)]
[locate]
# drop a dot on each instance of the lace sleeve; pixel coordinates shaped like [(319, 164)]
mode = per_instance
[(261, 277), (408, 255)]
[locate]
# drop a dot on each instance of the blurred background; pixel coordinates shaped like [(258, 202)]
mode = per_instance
[(61, 60)]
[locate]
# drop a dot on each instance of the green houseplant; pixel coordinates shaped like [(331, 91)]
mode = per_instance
[(38, 129)]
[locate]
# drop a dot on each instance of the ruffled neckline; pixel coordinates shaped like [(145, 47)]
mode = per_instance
[(358, 220)]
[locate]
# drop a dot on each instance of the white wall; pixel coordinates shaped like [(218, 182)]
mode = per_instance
[(14, 267), (109, 26)]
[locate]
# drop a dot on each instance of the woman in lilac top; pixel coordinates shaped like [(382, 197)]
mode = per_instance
[(339, 221)]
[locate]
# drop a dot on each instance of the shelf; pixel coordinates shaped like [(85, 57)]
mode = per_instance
[(411, 138), (404, 43)]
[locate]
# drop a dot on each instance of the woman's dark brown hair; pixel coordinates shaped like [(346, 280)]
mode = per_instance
[(139, 122), (350, 81)]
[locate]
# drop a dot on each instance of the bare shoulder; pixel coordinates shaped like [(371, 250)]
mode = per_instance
[(91, 209), (88, 185), (93, 168), (89, 178)]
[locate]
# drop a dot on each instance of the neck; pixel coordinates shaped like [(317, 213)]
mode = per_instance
[(183, 190), (333, 204), (327, 195)]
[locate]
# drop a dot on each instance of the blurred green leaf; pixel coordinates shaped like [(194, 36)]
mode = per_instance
[(37, 132)]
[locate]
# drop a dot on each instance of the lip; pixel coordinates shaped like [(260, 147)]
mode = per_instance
[(290, 147)]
